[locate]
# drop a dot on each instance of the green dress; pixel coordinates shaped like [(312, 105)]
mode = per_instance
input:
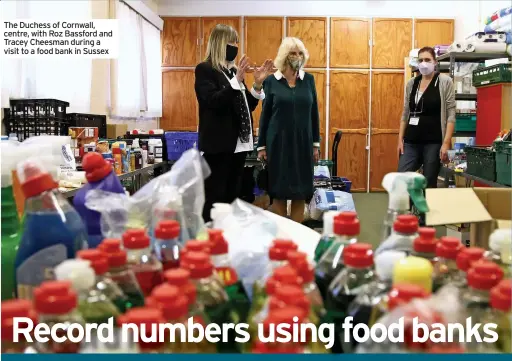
[(289, 126)]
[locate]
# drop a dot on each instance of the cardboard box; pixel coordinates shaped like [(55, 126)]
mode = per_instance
[(485, 208), (116, 130)]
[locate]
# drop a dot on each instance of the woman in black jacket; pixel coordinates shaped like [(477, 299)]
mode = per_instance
[(225, 114)]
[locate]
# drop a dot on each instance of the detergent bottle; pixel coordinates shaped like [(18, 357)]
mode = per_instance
[(52, 232), (99, 175)]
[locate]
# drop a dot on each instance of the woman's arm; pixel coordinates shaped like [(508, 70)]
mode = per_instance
[(405, 116), (253, 96), (451, 108), (315, 116), (207, 91), (266, 113)]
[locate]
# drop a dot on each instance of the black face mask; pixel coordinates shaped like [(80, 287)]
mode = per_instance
[(231, 52)]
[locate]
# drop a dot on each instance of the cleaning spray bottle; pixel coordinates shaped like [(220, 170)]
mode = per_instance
[(401, 186)]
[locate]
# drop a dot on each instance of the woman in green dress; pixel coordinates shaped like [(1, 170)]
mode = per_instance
[(289, 135)]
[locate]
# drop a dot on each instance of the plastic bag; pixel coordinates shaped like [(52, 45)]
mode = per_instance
[(329, 200)]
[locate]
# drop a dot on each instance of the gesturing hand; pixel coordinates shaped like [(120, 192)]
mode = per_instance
[(316, 154), (243, 66), (261, 73)]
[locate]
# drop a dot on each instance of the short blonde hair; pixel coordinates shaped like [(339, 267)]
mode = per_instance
[(284, 49), (220, 37)]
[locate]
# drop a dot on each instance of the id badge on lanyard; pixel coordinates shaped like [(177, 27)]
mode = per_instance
[(414, 118)]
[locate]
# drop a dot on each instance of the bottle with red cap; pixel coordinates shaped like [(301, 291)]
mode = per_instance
[(120, 273), (424, 245), (100, 175), (465, 258), (232, 284), (346, 229), (482, 276), (327, 236), (144, 264), (193, 246), (11, 309), (52, 230), (167, 245), (150, 318), (501, 314), (445, 269), (56, 302), (358, 272), (405, 231)]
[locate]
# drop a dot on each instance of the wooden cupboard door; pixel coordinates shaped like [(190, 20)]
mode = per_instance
[(350, 43), (431, 32), (352, 157), (383, 156), (387, 99), (348, 100), (320, 85), (392, 42), (249, 80), (263, 35), (180, 42), (207, 25), (313, 33), (180, 109)]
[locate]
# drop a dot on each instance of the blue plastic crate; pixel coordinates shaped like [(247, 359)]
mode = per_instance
[(179, 142)]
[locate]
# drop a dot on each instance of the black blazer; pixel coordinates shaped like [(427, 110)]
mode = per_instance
[(219, 124)]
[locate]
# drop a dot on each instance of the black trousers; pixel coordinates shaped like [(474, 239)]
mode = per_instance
[(416, 155), (225, 181)]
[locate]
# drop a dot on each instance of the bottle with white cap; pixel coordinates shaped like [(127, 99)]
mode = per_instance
[(500, 250), (327, 236)]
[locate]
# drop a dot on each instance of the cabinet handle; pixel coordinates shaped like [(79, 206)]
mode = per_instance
[(367, 141)]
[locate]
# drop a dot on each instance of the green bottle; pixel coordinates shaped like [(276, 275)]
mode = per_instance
[(327, 236), (10, 240)]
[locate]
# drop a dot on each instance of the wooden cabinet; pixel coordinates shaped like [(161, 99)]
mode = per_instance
[(207, 25), (383, 156), (431, 32), (263, 35), (353, 157), (349, 43), (392, 42), (180, 109), (249, 80), (320, 85), (180, 42), (387, 99), (313, 33), (348, 99)]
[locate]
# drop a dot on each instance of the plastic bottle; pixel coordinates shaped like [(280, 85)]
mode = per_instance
[(328, 234), (99, 175), (481, 277), (118, 160), (445, 270), (414, 270), (501, 314), (358, 271), (346, 228), (147, 317), (52, 231), (464, 260), (404, 293), (10, 310), (167, 246), (93, 303), (120, 273), (405, 231), (500, 250), (232, 284), (56, 302), (214, 298), (144, 264), (424, 245)]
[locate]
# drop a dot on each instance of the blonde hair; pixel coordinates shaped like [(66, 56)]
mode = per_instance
[(220, 37), (284, 49)]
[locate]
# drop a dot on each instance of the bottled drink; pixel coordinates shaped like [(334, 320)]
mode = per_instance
[(328, 234), (120, 273), (445, 270), (405, 231), (146, 316), (501, 314), (146, 267), (404, 293), (346, 228), (424, 246), (55, 302), (10, 239), (358, 271), (167, 246), (464, 260), (10, 310), (500, 250)]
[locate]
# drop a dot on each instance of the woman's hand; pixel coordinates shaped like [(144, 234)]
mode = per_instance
[(443, 153), (243, 66), (262, 154), (261, 73), (316, 154), (400, 147)]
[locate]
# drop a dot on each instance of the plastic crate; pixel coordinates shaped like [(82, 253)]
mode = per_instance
[(38, 108), (503, 162), (481, 162), (89, 120), (499, 73), (179, 142), (326, 162), (465, 122)]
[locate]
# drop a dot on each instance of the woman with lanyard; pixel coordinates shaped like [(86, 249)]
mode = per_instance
[(428, 120), (225, 119)]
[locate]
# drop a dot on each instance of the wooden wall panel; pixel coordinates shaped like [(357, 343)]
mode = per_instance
[(383, 156), (313, 33), (180, 109), (352, 157), (387, 99), (249, 80), (207, 25), (349, 97), (180, 41), (263, 35), (349, 43), (320, 84), (392, 42), (431, 32)]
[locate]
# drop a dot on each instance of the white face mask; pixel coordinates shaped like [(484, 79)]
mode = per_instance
[(426, 68)]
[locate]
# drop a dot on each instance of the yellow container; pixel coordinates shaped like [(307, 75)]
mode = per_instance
[(414, 270)]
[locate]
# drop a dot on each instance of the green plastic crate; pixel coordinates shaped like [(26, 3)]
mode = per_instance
[(481, 162), (465, 122), (499, 73), (326, 162), (503, 162)]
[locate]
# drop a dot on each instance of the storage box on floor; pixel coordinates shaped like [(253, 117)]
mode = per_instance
[(484, 208)]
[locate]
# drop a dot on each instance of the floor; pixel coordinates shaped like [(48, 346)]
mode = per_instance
[(371, 209)]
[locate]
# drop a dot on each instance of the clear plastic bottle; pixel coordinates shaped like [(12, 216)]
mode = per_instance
[(11, 309), (167, 246), (56, 302), (405, 231), (482, 277), (424, 246), (144, 264), (500, 250), (501, 314), (445, 270), (346, 229), (464, 260), (120, 273), (328, 234), (404, 293), (358, 271), (146, 316)]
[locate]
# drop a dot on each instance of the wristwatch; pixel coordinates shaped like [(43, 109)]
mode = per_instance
[(255, 87)]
